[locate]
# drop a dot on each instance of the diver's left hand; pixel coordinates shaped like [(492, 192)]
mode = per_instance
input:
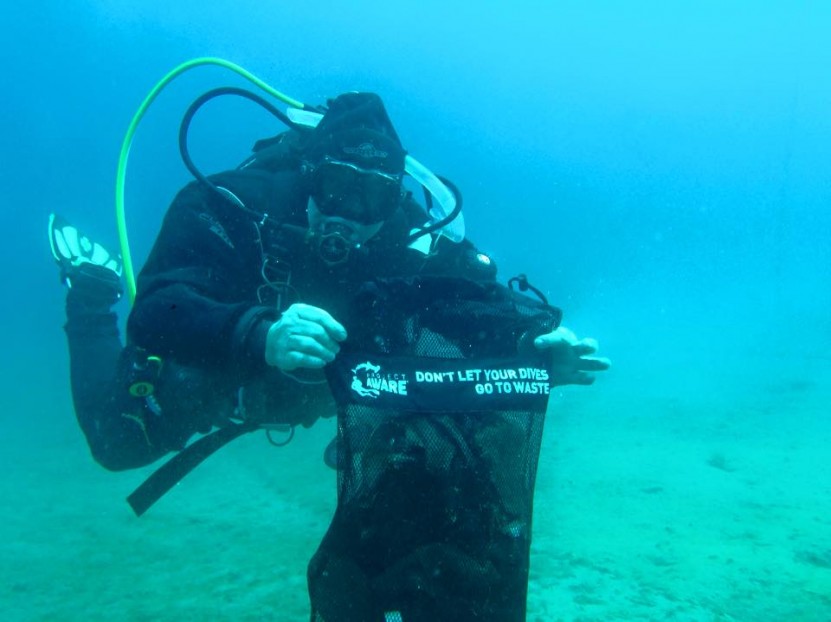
[(572, 363)]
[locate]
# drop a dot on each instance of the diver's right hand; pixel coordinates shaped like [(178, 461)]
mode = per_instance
[(304, 337)]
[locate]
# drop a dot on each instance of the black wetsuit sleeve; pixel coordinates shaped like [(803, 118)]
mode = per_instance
[(195, 293)]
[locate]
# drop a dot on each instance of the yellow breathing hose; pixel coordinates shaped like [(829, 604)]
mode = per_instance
[(129, 272)]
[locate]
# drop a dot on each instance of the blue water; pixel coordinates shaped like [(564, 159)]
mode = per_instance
[(660, 169)]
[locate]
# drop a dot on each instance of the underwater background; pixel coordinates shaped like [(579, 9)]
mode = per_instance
[(662, 170)]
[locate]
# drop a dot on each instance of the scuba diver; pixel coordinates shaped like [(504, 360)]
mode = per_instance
[(238, 322), (237, 305)]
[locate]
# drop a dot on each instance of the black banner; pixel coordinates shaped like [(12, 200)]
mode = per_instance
[(441, 385)]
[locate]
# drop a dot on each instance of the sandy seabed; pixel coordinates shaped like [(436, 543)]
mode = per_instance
[(699, 507)]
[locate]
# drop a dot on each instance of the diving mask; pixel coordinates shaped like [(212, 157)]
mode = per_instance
[(350, 192)]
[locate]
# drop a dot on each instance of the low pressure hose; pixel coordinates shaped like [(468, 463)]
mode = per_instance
[(121, 221)]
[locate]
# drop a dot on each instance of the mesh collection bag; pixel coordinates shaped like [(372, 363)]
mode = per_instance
[(441, 403)]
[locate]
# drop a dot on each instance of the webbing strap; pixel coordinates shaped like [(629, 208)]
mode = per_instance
[(172, 472)]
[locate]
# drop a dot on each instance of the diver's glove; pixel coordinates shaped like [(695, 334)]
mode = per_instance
[(572, 363), (305, 337)]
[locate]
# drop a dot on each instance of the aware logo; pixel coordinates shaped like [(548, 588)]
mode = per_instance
[(368, 380)]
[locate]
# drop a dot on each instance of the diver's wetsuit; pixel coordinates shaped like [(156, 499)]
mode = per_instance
[(215, 281)]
